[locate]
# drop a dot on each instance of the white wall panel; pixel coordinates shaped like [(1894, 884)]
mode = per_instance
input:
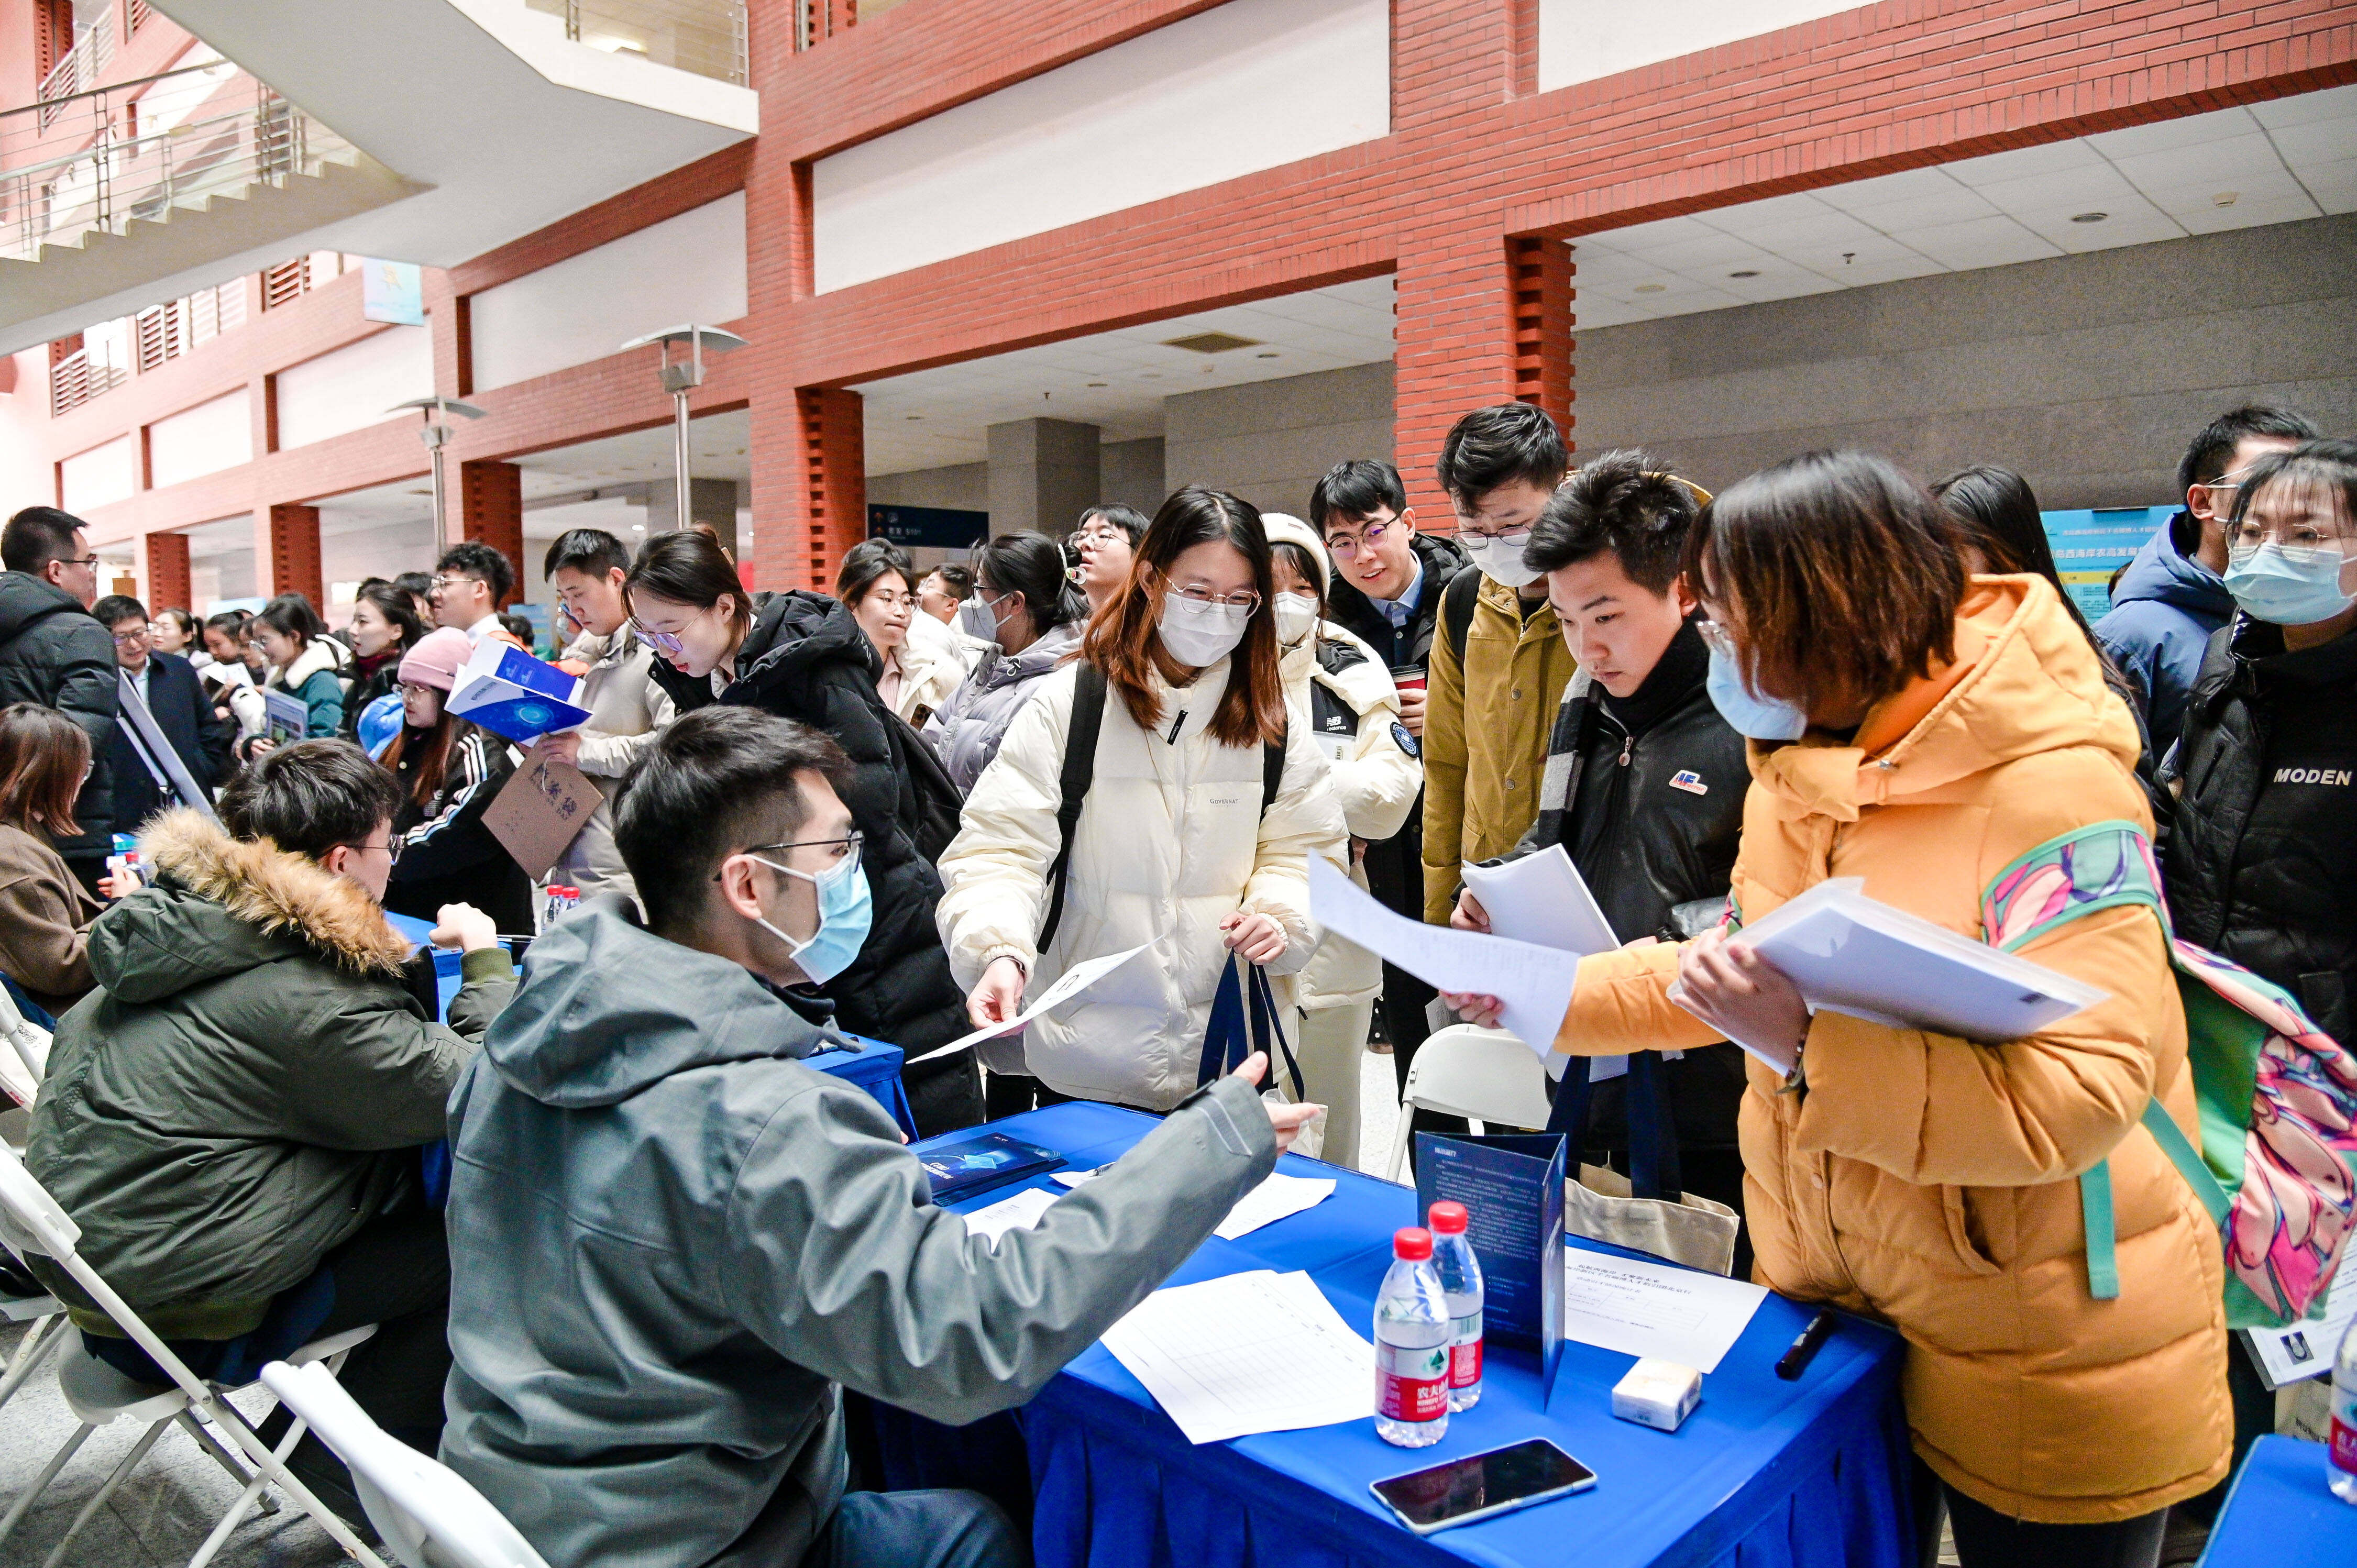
[(201, 440), (353, 387), (683, 269), (90, 480), (1580, 40), (1249, 85)]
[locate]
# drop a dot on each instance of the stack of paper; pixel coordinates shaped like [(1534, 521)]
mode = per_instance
[(1654, 1309), (1251, 1352), (1020, 1212), (1277, 1198), (1543, 898)]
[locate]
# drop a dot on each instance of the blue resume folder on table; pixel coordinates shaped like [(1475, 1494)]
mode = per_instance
[(977, 1165), (1512, 1187)]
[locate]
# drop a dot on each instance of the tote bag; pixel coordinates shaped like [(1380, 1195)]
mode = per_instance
[(1245, 1018), (1645, 1210)]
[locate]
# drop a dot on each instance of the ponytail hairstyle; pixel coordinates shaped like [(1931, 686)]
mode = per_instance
[(1124, 638), (1032, 565), (690, 568)]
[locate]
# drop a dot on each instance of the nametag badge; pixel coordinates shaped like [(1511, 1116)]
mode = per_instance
[(1337, 747), (1687, 779)]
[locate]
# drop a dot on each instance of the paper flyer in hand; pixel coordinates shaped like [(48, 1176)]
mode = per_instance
[(1069, 984), (510, 693), (541, 811)]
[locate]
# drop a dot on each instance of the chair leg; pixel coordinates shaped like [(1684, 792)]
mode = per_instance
[(98, 1498), (222, 1411), (24, 1503), (47, 1335), (211, 1446), (227, 1524), (1400, 1135)]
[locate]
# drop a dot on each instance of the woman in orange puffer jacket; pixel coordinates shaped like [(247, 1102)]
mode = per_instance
[(1923, 730)]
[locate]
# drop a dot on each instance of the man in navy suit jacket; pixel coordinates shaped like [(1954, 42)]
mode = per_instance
[(177, 698)]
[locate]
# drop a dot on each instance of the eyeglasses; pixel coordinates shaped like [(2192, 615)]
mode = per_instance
[(2300, 543), (850, 845), (1201, 593), (1344, 545), (89, 560), (1512, 538), (131, 639), (662, 641), (1103, 533), (889, 599), (392, 850), (442, 582), (1717, 637)]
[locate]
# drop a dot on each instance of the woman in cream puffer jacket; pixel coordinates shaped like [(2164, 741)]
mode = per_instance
[(1173, 847)]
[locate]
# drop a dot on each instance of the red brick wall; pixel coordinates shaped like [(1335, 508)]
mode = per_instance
[(491, 509), (165, 573), (290, 551)]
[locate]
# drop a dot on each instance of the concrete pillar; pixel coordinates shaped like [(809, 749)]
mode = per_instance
[(491, 509), (1042, 472), (164, 571), (287, 551), (708, 501)]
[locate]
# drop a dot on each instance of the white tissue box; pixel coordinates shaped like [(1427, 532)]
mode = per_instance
[(1657, 1393)]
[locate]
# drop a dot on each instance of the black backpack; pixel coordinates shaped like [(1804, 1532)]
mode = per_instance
[(1079, 772)]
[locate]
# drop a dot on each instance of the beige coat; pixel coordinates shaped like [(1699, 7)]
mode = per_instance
[(627, 709)]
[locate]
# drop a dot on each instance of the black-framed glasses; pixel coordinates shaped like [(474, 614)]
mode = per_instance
[(132, 639), (1343, 546), (392, 848), (850, 845)]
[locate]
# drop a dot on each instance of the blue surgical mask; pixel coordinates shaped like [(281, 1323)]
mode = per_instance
[(2271, 585), (1756, 717), (846, 911)]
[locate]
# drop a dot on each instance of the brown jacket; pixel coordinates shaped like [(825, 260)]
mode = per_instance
[(1931, 1180), (45, 919), (1486, 724)]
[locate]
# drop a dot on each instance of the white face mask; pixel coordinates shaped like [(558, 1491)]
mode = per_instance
[(1199, 633), (1296, 618), (1500, 560)]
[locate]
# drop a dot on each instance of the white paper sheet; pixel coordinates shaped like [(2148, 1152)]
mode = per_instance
[(1069, 984), (1279, 1197), (1654, 1309), (1533, 982), (1542, 898), (1257, 1351), (1020, 1212), (2306, 1350)]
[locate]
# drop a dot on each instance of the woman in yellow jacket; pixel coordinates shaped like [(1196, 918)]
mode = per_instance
[(1925, 730)]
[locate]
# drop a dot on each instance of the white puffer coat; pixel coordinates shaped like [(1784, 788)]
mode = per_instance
[(1376, 783), (1170, 842)]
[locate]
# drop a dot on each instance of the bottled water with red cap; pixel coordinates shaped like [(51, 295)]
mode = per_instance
[(1461, 1282), (2340, 1453), (1412, 1339)]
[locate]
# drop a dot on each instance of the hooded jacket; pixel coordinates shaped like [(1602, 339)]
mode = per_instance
[(627, 711), (965, 734), (2161, 620), (669, 1241), (1929, 1179), (247, 1087), (1171, 840), (928, 674), (2262, 857), (54, 653), (804, 658), (315, 680)]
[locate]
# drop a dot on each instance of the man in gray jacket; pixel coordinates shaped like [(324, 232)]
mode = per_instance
[(671, 1243)]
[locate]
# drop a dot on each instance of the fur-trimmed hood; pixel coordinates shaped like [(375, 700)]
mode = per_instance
[(321, 653), (224, 905)]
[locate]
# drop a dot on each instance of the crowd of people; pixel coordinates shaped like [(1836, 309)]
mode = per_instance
[(897, 809)]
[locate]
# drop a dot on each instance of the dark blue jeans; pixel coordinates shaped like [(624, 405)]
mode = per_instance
[(919, 1530)]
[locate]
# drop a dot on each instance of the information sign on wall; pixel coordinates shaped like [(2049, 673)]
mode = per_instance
[(928, 527), (2088, 546), (393, 292)]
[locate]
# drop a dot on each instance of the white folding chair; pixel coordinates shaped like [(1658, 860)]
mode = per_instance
[(1482, 1075), (46, 1314), (428, 1514), (32, 1221)]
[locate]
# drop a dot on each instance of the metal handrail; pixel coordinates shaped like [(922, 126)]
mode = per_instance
[(90, 55), (111, 87), (706, 37)]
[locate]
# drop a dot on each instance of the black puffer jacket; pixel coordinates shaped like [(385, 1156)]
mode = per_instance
[(53, 653), (2262, 861), (1409, 644), (1646, 793), (805, 659)]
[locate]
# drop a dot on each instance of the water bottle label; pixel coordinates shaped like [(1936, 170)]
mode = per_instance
[(1465, 1352), (1412, 1385), (2345, 1431)]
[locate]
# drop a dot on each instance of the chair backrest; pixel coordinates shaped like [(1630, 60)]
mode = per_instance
[(1486, 1074), (27, 1057), (411, 1500), (30, 1220)]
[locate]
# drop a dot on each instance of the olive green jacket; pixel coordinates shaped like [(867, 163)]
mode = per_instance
[(248, 1085)]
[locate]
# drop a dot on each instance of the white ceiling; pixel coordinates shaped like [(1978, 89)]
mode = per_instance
[(2236, 168), (932, 419)]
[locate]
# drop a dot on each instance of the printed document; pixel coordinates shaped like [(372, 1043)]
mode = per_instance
[(1279, 1197), (1543, 898), (1021, 1213), (1533, 982), (1654, 1309), (2304, 1350), (1069, 984), (1258, 1351)]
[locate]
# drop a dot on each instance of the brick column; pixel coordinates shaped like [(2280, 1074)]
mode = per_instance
[(1541, 273), (164, 571), (286, 551), (491, 509), (820, 476)]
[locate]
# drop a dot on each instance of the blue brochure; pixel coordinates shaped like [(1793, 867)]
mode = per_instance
[(510, 693), (976, 1165), (1512, 1187)]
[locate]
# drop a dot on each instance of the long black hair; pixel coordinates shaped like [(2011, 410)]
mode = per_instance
[(395, 604), (291, 615), (1032, 565)]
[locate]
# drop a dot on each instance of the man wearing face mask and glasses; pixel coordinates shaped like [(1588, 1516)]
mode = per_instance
[(672, 1245)]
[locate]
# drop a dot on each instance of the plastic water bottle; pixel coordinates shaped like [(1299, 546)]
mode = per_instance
[(1412, 1335), (125, 859), (1460, 1282), (2341, 1453)]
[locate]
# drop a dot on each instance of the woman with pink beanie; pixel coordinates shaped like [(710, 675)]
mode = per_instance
[(450, 772)]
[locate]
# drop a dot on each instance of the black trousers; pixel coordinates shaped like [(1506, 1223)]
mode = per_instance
[(1988, 1539), (945, 1095)]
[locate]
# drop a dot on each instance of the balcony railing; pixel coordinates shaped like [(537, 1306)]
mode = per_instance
[(78, 69), (240, 135), (705, 36), (79, 377)]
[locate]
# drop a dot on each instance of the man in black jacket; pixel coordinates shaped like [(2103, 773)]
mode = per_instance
[(1386, 589), (1645, 780), (54, 654), (175, 698)]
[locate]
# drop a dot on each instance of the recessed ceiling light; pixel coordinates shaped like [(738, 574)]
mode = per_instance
[(2089, 217), (1266, 354), (2225, 199), (1746, 272), (1652, 287), (638, 528), (1210, 342), (1100, 383), (914, 416)]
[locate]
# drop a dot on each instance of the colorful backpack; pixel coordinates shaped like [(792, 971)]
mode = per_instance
[(2277, 1164)]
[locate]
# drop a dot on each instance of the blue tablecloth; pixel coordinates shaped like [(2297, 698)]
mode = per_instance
[(2282, 1512), (875, 1066), (1765, 1473)]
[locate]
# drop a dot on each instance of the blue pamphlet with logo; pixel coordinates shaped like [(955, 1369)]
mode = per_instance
[(1512, 1187), (510, 693), (976, 1165)]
